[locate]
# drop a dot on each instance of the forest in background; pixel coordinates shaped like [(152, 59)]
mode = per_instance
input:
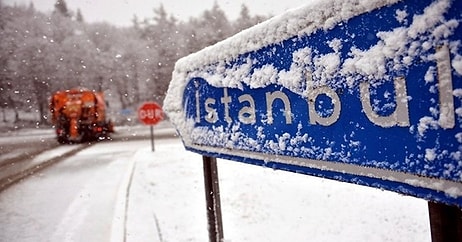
[(41, 53)]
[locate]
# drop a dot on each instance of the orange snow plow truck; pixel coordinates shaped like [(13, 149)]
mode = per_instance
[(79, 115)]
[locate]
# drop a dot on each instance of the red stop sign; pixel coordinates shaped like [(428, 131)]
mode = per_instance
[(150, 113)]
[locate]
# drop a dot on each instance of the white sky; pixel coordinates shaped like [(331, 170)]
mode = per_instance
[(121, 12)]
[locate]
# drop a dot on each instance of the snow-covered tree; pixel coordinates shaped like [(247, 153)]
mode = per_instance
[(162, 36), (79, 16), (216, 26), (42, 53), (246, 20), (61, 7)]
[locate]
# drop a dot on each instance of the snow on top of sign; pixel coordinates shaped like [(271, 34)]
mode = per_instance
[(401, 46), (318, 14)]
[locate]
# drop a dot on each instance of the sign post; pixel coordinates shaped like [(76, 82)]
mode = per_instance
[(212, 199), (152, 137), (328, 94), (150, 113), (445, 222)]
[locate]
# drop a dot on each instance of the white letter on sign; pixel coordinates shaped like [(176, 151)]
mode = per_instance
[(447, 119), (399, 117), (212, 115), (142, 114), (247, 113), (315, 118), (270, 98), (198, 110), (226, 100)]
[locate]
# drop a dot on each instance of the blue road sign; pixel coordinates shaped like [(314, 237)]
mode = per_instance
[(367, 93)]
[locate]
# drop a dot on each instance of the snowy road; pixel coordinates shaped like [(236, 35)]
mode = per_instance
[(71, 201), (84, 198)]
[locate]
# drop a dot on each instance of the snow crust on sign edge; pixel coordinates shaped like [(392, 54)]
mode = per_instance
[(318, 14)]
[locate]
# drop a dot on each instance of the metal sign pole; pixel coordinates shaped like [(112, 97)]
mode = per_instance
[(150, 113), (445, 222), (212, 197), (152, 138)]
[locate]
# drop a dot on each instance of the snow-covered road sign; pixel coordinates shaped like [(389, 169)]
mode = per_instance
[(367, 92)]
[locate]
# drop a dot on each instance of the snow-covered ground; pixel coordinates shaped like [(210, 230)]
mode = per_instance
[(76, 201), (261, 204)]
